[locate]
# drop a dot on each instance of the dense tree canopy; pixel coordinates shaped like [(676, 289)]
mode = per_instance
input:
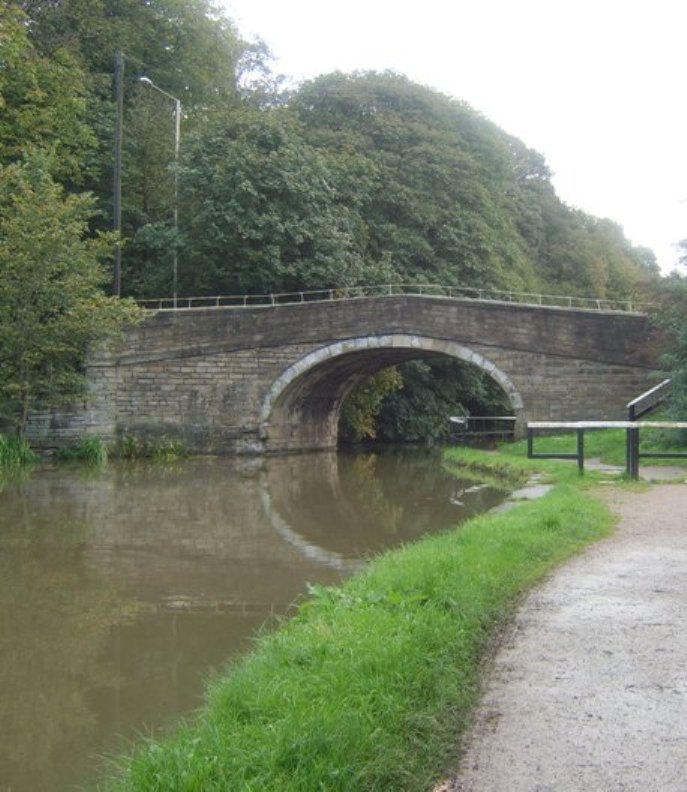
[(42, 102), (348, 179), (267, 211), (435, 202), (191, 51), (186, 45)]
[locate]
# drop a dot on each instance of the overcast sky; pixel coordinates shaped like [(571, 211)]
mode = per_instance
[(597, 86)]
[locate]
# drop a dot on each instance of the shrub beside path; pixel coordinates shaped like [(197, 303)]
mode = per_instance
[(588, 690)]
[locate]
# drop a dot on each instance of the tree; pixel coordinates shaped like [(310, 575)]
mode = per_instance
[(682, 252), (189, 48), (669, 315), (590, 256), (362, 407), (432, 391), (51, 306), (265, 211), (413, 401), (42, 102), (436, 205)]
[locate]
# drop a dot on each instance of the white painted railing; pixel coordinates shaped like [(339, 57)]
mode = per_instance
[(427, 290)]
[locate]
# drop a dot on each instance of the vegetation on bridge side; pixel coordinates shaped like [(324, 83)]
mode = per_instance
[(370, 684)]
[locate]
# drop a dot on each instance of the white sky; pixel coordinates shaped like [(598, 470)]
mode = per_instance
[(597, 86)]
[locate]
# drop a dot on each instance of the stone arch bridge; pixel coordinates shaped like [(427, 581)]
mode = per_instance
[(273, 378)]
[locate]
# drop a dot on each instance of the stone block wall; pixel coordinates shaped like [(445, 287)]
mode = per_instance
[(212, 377)]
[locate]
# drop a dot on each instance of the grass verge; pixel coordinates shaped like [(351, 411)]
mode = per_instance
[(510, 467), (369, 685)]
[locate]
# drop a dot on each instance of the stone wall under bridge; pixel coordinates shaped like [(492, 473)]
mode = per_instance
[(273, 378)]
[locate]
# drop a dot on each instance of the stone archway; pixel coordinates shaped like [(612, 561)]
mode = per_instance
[(301, 408)]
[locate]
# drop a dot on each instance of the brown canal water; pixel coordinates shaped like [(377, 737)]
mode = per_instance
[(121, 590)]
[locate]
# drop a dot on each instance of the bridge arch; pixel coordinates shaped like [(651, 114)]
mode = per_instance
[(301, 408)]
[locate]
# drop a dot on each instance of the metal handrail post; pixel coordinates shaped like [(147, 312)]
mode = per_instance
[(580, 450), (632, 463)]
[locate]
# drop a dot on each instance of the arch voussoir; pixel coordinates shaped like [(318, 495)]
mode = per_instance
[(301, 408)]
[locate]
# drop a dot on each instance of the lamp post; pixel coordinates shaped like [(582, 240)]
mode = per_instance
[(177, 137), (117, 185)]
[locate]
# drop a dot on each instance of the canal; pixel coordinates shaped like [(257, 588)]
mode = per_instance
[(121, 590)]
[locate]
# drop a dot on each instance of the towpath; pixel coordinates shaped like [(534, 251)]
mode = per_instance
[(588, 691)]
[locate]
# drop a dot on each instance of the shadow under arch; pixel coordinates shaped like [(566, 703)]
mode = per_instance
[(301, 409)]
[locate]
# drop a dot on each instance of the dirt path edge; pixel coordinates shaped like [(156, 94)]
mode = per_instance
[(588, 689)]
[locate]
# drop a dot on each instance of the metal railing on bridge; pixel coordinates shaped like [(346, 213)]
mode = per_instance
[(423, 290)]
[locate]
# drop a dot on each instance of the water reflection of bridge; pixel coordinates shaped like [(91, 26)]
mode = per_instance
[(120, 590), (209, 519)]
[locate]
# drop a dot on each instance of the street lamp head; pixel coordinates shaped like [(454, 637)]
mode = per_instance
[(147, 81)]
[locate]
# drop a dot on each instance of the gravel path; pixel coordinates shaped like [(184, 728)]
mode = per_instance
[(588, 692)]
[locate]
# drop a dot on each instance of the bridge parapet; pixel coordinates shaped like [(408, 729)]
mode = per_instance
[(594, 335)]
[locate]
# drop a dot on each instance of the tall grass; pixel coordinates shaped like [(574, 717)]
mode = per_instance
[(15, 452), (369, 685), (90, 450)]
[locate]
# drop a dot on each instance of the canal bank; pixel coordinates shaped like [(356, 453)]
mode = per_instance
[(370, 685), (587, 689)]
